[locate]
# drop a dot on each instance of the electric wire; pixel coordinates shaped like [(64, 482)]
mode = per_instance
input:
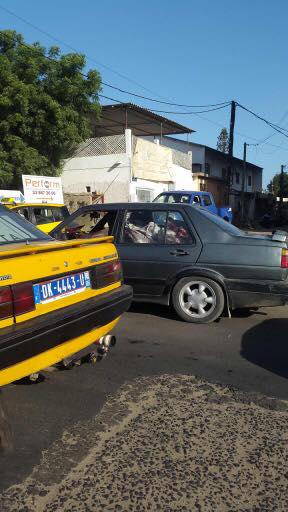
[(269, 123), (218, 106), (107, 84)]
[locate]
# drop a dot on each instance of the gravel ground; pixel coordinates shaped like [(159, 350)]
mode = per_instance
[(167, 443)]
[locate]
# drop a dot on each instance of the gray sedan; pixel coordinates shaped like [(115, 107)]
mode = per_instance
[(184, 256)]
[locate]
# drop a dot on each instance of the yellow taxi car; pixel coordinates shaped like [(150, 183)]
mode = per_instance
[(45, 216), (56, 297)]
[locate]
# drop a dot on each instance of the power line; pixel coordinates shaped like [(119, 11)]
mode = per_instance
[(68, 46), (192, 112), (220, 105), (269, 123), (262, 141), (169, 112), (31, 47), (215, 123), (110, 69), (225, 103)]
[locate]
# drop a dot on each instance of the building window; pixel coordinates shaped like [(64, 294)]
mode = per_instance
[(224, 173), (207, 168), (197, 167), (237, 178), (144, 195), (250, 181), (88, 189)]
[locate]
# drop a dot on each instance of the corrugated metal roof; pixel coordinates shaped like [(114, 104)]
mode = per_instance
[(115, 118)]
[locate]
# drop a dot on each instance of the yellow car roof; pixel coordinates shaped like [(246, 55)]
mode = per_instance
[(39, 205)]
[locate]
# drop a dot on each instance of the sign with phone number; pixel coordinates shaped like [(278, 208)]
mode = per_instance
[(42, 189)]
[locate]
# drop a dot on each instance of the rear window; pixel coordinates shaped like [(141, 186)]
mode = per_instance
[(172, 198), (48, 214), (206, 200), (14, 228), (223, 224)]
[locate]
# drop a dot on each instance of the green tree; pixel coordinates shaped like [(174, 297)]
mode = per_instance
[(274, 185), (223, 141), (46, 107)]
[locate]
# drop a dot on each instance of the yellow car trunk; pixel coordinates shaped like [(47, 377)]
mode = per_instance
[(52, 267)]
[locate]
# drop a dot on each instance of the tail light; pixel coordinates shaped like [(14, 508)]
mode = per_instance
[(284, 258), (108, 273), (23, 298), (6, 302)]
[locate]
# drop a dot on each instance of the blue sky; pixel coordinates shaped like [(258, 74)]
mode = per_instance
[(189, 52)]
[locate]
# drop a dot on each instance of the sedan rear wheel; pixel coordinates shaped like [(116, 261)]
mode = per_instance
[(198, 299)]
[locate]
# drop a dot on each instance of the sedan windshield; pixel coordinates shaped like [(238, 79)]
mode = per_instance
[(14, 228)]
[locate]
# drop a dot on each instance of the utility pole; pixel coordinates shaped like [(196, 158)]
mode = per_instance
[(230, 149), (281, 191), (243, 182)]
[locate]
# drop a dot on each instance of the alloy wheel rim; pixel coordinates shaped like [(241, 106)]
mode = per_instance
[(197, 299)]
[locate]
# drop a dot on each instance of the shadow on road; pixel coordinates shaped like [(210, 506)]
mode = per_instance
[(168, 312), (154, 309), (266, 345), (246, 313)]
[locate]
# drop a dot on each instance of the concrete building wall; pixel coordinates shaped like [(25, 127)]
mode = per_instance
[(145, 188), (107, 174), (143, 169), (150, 161), (182, 178), (154, 169), (217, 164), (258, 180)]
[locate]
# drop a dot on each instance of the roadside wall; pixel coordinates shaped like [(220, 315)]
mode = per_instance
[(100, 175), (75, 201), (107, 173)]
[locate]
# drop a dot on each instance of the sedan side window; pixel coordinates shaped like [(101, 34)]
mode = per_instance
[(144, 227), (185, 198), (88, 224), (196, 200), (155, 227), (177, 231)]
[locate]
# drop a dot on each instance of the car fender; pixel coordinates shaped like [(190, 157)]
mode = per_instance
[(198, 271), (225, 212)]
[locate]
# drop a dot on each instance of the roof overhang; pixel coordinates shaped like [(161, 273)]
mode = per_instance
[(116, 118), (235, 160)]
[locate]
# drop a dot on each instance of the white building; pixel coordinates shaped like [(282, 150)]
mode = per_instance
[(210, 172), (120, 164)]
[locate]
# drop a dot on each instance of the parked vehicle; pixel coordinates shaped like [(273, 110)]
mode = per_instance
[(185, 256), (45, 216), (204, 199), (56, 298)]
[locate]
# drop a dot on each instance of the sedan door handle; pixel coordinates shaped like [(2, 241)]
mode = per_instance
[(179, 252)]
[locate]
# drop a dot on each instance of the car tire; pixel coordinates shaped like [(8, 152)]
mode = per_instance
[(198, 299)]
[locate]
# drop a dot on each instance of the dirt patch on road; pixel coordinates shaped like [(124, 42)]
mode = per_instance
[(168, 443)]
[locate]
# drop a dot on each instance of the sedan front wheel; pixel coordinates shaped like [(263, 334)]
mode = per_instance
[(198, 299)]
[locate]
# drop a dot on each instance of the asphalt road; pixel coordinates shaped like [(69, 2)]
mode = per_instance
[(55, 422)]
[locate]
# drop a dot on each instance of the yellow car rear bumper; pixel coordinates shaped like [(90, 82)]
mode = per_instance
[(30, 346), (53, 355)]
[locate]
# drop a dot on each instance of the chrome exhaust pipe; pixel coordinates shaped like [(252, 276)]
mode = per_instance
[(104, 345), (107, 341)]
